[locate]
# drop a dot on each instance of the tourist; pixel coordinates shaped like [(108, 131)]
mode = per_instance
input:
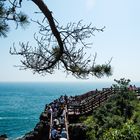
[(63, 112), (54, 134), (55, 112), (62, 100), (134, 88), (49, 112), (63, 133), (130, 87), (56, 122), (62, 122)]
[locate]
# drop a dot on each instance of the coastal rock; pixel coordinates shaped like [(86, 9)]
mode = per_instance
[(77, 132), (40, 132), (3, 137)]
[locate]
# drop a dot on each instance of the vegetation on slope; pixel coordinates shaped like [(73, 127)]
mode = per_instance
[(118, 118)]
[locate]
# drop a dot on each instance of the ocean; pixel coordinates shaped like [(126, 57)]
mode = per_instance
[(22, 103)]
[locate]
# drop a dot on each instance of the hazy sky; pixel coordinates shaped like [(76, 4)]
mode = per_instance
[(120, 39)]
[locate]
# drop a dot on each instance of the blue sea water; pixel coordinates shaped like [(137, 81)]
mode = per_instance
[(22, 103)]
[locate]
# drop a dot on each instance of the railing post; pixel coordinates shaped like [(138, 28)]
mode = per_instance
[(50, 126), (83, 109), (99, 100), (92, 106), (106, 96), (80, 109), (74, 110)]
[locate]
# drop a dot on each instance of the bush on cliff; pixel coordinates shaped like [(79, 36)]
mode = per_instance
[(117, 119)]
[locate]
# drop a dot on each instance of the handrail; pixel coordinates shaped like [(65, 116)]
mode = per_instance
[(50, 126), (92, 101), (66, 122)]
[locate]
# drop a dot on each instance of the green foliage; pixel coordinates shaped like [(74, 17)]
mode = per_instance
[(23, 20), (9, 12), (122, 83), (99, 70), (89, 121), (118, 118), (4, 29), (129, 131)]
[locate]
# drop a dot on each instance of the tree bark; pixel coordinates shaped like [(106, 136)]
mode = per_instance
[(48, 14)]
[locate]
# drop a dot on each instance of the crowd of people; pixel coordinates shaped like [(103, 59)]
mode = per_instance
[(57, 114)]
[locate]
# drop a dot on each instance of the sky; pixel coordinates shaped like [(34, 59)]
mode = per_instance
[(120, 39)]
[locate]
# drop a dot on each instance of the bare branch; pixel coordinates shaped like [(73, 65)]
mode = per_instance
[(60, 47)]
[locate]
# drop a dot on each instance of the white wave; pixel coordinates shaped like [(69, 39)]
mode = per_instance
[(19, 137), (14, 118)]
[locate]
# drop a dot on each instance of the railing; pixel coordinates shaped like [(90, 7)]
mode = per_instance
[(66, 122), (92, 101), (88, 104), (51, 124)]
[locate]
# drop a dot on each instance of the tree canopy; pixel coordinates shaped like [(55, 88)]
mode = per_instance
[(57, 47)]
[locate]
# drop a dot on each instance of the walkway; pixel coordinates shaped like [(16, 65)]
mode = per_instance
[(57, 116)]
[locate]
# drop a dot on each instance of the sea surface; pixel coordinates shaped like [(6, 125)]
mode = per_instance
[(22, 103)]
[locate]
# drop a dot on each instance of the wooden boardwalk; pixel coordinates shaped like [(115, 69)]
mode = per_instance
[(86, 103)]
